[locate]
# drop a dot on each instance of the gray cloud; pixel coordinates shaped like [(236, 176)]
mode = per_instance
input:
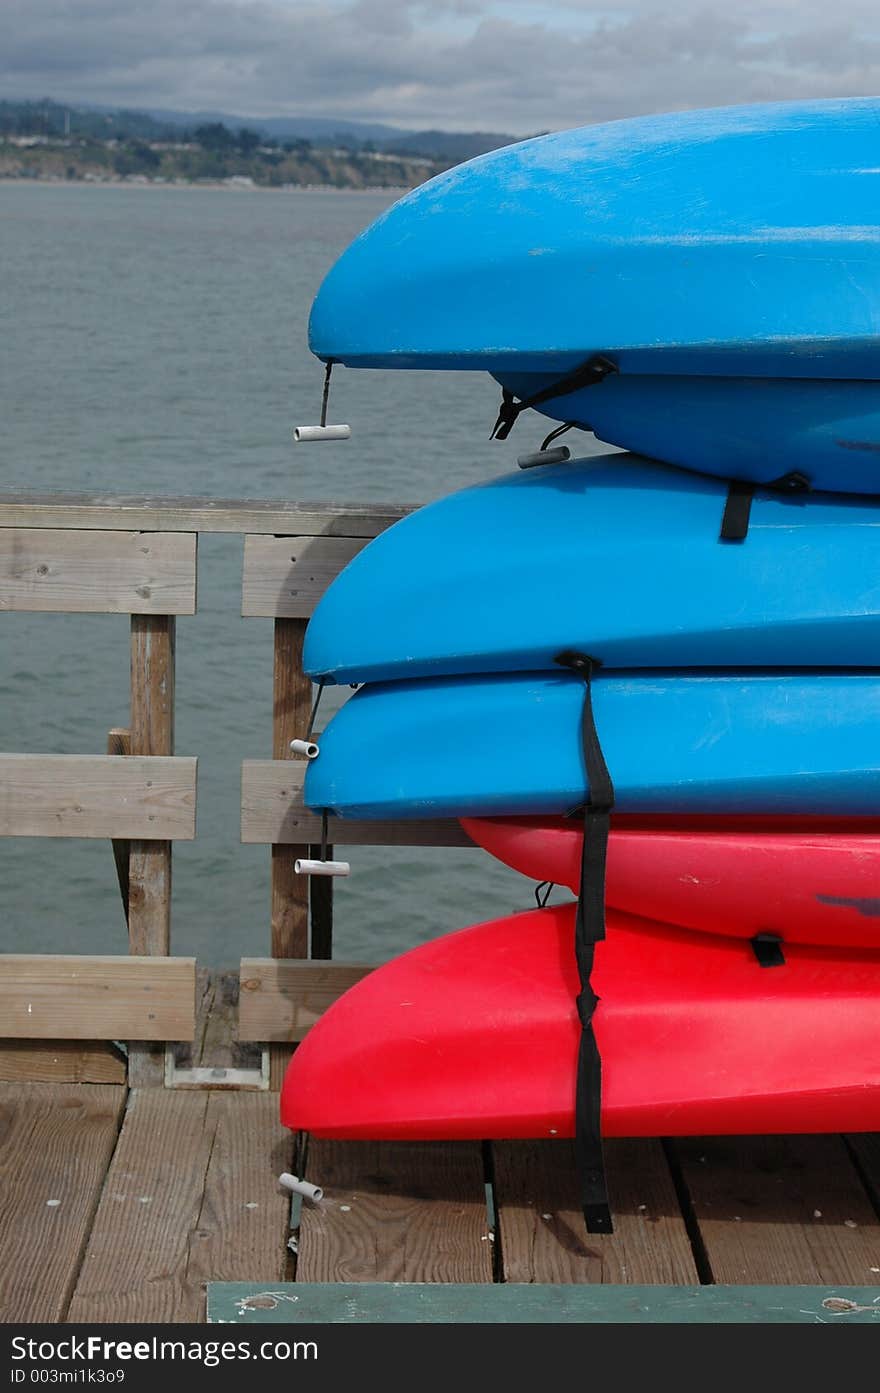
[(461, 64)]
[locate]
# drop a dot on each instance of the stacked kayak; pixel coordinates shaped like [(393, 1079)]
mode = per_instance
[(612, 686), (701, 287)]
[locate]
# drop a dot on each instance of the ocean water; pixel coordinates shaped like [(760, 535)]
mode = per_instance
[(154, 341)]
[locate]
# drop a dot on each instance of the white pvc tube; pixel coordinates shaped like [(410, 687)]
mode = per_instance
[(558, 455), (300, 1187), (322, 867), (305, 747), (304, 435)]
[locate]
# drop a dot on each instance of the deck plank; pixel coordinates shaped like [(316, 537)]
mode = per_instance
[(395, 1212), (56, 1141), (541, 1227), (191, 1195), (781, 1210)]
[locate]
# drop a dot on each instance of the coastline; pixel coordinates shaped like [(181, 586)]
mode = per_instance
[(206, 186)]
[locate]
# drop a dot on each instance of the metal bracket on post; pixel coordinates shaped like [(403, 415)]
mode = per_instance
[(255, 1080)]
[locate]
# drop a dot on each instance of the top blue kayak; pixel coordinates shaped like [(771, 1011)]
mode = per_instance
[(736, 241), (702, 288)]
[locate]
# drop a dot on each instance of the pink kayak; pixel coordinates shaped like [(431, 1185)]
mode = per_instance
[(808, 883)]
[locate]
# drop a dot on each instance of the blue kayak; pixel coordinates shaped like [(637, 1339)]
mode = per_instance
[(616, 556), (738, 243), (782, 743)]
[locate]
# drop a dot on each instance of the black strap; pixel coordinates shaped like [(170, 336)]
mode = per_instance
[(738, 505), (737, 510), (590, 930), (767, 948), (594, 370)]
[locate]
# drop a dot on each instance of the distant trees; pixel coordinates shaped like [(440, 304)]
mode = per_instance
[(136, 158), (220, 140), (215, 137)]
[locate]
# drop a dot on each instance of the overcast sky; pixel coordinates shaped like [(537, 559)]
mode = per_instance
[(503, 65)]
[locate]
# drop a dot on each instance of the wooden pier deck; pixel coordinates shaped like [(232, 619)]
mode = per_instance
[(122, 1204)]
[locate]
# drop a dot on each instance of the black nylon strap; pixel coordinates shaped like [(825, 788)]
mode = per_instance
[(767, 948), (587, 375), (738, 506), (737, 511), (590, 930)]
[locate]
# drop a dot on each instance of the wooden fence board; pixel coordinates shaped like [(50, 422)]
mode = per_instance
[(272, 811), (97, 796), (73, 997), (61, 1061), (284, 577), (282, 998), (185, 514), (49, 570)]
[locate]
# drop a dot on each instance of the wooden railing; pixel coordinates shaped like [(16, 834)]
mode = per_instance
[(75, 553)]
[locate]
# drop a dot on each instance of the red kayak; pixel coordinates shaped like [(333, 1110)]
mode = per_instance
[(475, 1035), (740, 878)]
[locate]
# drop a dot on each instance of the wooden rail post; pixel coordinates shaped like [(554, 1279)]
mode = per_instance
[(291, 707), (149, 880)]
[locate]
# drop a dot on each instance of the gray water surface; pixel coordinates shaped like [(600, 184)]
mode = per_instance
[(154, 341)]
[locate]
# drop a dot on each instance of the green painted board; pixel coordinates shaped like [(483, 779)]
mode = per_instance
[(322, 1303)]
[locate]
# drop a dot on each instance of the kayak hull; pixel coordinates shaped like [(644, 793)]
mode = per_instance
[(817, 886), (737, 242), (474, 1036), (602, 555), (777, 744), (760, 429)]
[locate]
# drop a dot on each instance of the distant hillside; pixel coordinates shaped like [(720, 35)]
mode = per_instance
[(47, 117), (454, 146)]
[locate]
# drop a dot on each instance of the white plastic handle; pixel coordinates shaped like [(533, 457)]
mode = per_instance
[(305, 435), (300, 1187), (305, 747), (322, 867), (558, 455)]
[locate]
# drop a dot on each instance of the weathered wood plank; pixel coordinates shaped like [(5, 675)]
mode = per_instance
[(149, 863), (395, 1212), (272, 810), (541, 1225), (389, 1303), (97, 796), (285, 577), (73, 572), (191, 1194), (56, 1141), (282, 998), (78, 997), (150, 514), (61, 1061), (781, 1209)]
